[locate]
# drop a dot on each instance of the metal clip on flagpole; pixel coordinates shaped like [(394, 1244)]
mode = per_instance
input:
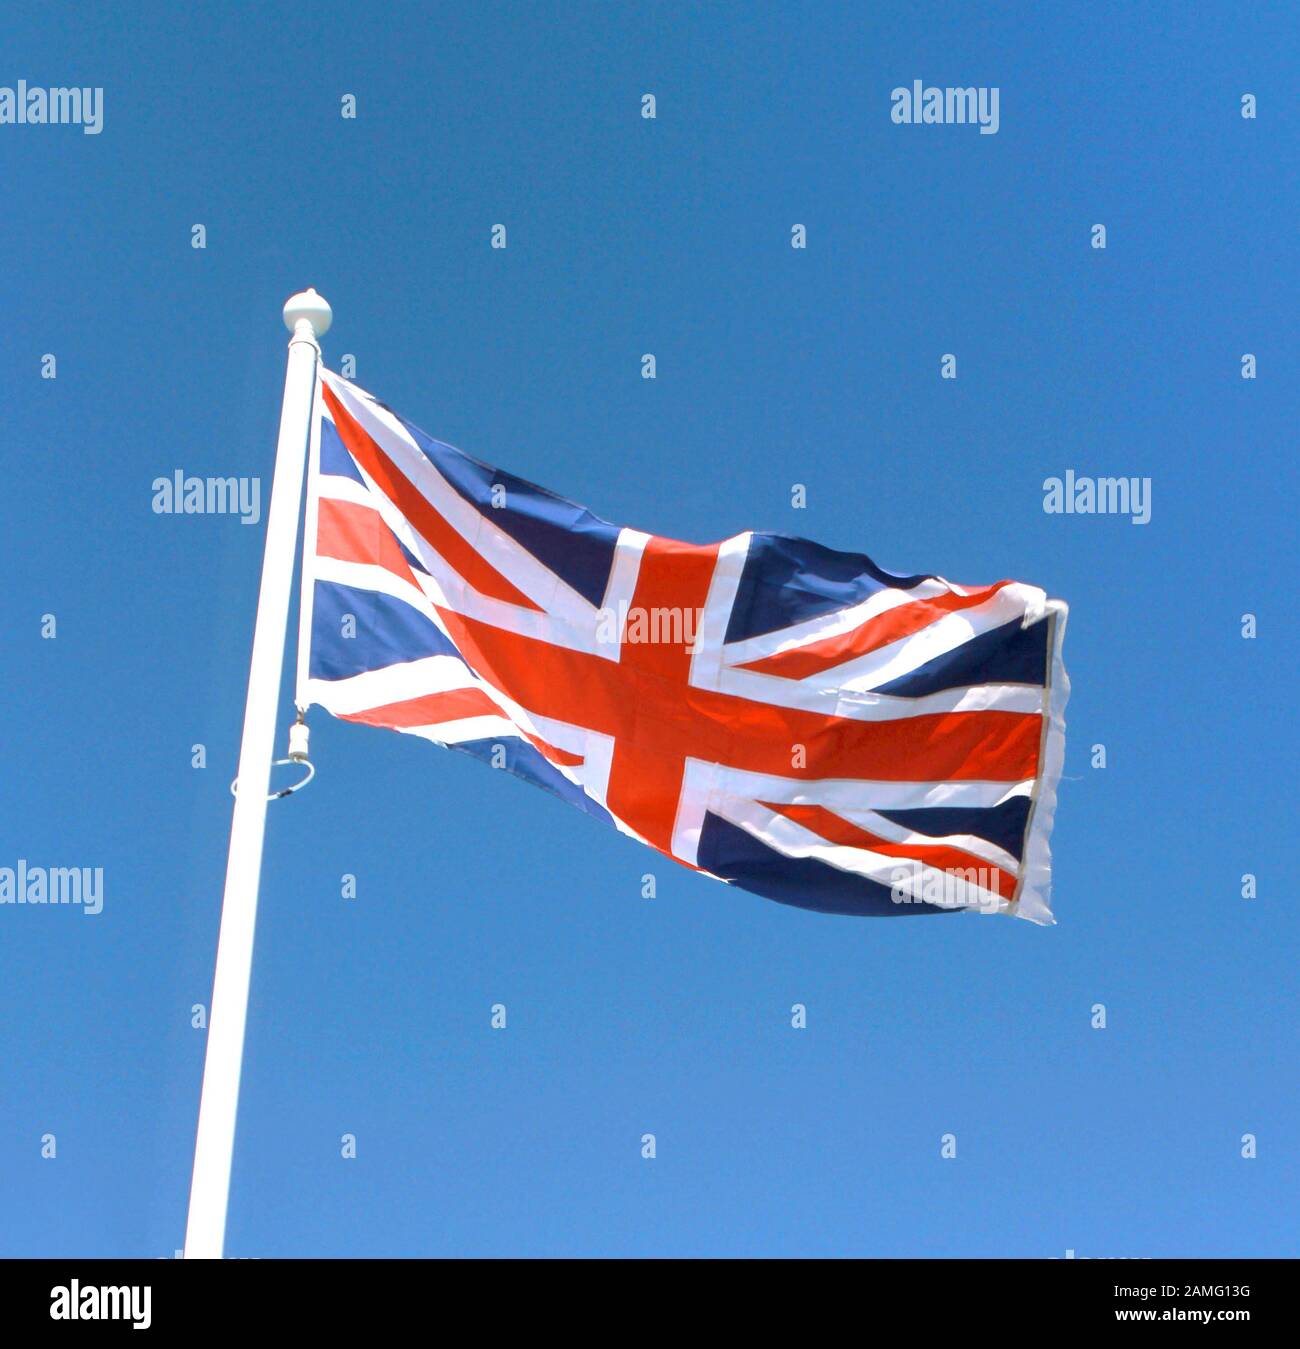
[(307, 317), (299, 737)]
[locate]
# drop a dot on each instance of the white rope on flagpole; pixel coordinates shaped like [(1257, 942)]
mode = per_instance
[(307, 316)]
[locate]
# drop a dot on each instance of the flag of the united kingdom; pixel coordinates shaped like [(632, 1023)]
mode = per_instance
[(791, 719)]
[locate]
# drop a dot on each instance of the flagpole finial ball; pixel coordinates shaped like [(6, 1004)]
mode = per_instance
[(310, 306)]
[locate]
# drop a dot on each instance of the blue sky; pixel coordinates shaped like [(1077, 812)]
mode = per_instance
[(775, 367)]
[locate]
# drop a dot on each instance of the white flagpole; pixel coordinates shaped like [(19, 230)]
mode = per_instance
[(307, 316)]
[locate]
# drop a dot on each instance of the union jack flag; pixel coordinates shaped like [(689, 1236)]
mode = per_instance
[(776, 714)]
